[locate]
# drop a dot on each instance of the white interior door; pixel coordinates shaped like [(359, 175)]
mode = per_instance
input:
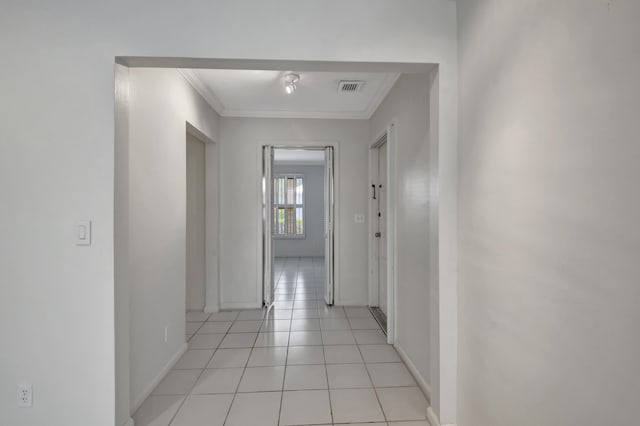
[(329, 226), (268, 285), (382, 228)]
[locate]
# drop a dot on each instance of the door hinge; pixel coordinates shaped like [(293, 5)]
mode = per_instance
[(378, 234)]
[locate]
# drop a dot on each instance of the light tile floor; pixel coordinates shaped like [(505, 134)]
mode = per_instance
[(302, 364)]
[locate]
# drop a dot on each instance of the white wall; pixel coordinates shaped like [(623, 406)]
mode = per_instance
[(57, 113), (549, 208), (408, 104), (312, 245), (195, 266), (240, 276), (161, 104)]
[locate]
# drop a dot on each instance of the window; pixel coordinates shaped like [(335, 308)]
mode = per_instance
[(288, 206)]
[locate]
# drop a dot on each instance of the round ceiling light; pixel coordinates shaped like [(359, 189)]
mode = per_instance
[(290, 80)]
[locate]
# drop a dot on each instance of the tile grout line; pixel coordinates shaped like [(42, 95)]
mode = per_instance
[(239, 381), (286, 360), (198, 329), (326, 372), (184, 398), (297, 293), (189, 393), (375, 392)]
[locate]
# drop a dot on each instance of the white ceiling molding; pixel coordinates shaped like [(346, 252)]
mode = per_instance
[(209, 95), (382, 93), (203, 89), (249, 113)]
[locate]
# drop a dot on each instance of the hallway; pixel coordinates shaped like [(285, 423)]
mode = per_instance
[(512, 239), (305, 363)]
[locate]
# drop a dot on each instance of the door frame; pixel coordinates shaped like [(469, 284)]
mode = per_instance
[(212, 244), (390, 131), (267, 230), (297, 144)]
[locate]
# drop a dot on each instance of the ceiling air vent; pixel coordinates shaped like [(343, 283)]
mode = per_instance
[(350, 86)]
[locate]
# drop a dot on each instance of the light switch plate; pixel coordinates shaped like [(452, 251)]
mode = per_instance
[(83, 233)]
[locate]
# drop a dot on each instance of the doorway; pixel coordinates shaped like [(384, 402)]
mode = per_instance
[(380, 197), (298, 222), (382, 233), (195, 261)]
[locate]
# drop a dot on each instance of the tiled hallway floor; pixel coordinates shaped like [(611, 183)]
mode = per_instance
[(303, 364)]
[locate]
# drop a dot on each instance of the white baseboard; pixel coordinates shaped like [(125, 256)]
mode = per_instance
[(211, 309), (239, 305), (137, 402), (129, 422), (422, 383), (432, 418)]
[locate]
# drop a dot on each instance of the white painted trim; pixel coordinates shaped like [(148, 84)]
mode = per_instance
[(329, 220), (390, 131), (432, 418), (327, 115), (275, 64), (212, 262), (203, 89), (373, 247), (392, 243), (300, 144), (383, 91), (129, 422), (240, 305), (266, 297), (198, 134), (422, 383), (219, 107), (260, 239), (137, 402)]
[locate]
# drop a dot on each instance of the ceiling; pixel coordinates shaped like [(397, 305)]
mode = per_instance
[(309, 157), (256, 93)]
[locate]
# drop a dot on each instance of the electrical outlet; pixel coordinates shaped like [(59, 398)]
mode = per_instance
[(359, 218), (25, 396), (166, 333)]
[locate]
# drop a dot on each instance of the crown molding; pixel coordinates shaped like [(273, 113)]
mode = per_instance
[(256, 113), (383, 91), (219, 107), (203, 89)]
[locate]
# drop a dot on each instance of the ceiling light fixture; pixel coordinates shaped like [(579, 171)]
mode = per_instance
[(290, 81)]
